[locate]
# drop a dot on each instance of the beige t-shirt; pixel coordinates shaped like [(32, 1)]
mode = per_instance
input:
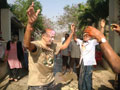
[(41, 64)]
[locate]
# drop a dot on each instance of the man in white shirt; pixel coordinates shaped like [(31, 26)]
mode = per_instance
[(87, 47)]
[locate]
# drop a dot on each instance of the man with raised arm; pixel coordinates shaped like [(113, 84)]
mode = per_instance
[(107, 50), (87, 59), (41, 54)]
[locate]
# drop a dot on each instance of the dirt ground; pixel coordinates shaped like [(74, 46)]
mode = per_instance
[(102, 79)]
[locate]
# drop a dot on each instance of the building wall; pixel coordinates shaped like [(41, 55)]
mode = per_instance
[(6, 24), (114, 38), (21, 34), (6, 15), (5, 18), (0, 21), (3, 69)]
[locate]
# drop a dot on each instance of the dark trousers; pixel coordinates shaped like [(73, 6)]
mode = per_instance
[(76, 62), (65, 61), (50, 86), (26, 60), (118, 82), (85, 78), (14, 73)]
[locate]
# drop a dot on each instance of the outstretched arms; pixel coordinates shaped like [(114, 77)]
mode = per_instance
[(65, 45), (32, 17)]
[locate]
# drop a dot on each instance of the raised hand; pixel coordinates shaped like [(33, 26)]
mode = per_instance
[(32, 15), (73, 28), (93, 32), (102, 23), (115, 27)]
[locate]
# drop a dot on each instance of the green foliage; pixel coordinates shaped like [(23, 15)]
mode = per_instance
[(70, 16), (94, 10), (84, 14), (20, 7), (48, 23), (91, 12)]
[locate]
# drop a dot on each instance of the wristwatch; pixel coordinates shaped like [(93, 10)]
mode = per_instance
[(103, 40)]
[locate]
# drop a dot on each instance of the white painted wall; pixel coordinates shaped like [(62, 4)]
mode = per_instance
[(21, 34), (6, 15)]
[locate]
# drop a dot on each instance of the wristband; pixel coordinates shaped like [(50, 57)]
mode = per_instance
[(103, 40)]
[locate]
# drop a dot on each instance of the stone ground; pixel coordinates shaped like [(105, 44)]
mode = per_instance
[(102, 79)]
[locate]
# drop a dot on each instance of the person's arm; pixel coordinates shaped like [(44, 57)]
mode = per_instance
[(107, 50), (32, 17), (65, 45), (111, 56)]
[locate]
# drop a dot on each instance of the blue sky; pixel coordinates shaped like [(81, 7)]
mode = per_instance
[(53, 8)]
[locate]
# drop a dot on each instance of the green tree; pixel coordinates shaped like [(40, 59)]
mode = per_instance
[(48, 23), (94, 10), (91, 13), (20, 7), (70, 16)]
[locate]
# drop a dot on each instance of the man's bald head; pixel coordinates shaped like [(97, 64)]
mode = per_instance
[(50, 32)]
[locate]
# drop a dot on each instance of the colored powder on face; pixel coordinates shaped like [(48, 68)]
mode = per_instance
[(50, 32)]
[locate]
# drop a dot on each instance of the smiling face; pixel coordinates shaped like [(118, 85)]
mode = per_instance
[(86, 37)]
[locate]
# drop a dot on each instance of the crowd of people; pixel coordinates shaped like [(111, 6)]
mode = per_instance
[(41, 54), (80, 52)]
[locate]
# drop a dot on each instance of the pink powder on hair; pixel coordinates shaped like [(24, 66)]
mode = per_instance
[(50, 32)]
